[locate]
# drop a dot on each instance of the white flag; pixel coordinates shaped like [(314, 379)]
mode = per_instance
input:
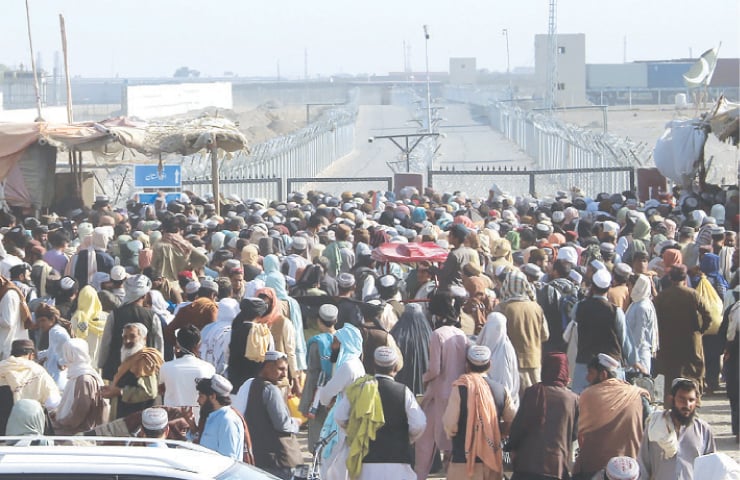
[(701, 72)]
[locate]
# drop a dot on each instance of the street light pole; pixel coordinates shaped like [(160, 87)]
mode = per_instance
[(505, 33), (429, 91)]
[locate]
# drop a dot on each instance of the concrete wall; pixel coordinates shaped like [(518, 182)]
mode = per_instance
[(250, 95), (571, 70), (28, 115), (617, 75), (463, 71), (151, 101)]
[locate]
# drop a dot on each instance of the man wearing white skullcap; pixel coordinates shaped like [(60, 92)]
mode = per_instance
[(223, 429), (297, 260), (601, 329), (319, 372), (269, 419), (622, 468), (391, 297), (611, 416), (389, 455), (154, 422), (569, 255), (471, 420)]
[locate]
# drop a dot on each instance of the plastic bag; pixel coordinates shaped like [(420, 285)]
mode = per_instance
[(711, 300)]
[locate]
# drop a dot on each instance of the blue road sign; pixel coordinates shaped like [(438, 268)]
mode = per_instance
[(149, 198), (149, 176)]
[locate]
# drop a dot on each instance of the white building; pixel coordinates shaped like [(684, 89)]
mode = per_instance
[(571, 67), (463, 71)]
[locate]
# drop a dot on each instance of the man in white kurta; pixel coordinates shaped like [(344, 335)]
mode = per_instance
[(178, 376), (11, 326)]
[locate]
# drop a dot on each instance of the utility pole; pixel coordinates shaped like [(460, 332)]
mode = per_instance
[(505, 33), (429, 89), (552, 57), (624, 52), (408, 147), (305, 64)]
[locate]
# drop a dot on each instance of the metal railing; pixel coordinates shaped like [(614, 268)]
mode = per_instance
[(262, 188), (340, 182), (553, 144), (538, 183), (303, 153)]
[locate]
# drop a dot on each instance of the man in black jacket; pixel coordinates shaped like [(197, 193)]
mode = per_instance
[(389, 455)]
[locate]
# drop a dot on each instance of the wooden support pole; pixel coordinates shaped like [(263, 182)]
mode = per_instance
[(70, 117), (213, 148), (39, 118)]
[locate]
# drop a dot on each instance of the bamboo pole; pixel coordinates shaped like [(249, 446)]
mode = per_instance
[(214, 175), (70, 117), (33, 66)]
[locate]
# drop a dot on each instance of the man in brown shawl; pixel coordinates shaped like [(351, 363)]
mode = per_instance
[(682, 318), (135, 382), (611, 416)]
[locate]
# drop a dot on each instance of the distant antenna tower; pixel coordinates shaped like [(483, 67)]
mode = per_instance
[(552, 57), (407, 59)]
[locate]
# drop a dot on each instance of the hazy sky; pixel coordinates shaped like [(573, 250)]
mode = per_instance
[(135, 38)]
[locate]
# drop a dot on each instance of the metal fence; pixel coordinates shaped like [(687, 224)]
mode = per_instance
[(303, 153), (338, 184), (555, 145), (538, 183), (263, 188)]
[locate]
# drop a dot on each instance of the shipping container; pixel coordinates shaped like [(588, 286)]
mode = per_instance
[(667, 74), (616, 76)]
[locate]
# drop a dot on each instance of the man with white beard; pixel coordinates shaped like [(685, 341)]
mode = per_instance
[(135, 383)]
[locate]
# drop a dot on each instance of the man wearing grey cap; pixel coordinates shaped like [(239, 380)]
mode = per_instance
[(388, 455), (348, 308)]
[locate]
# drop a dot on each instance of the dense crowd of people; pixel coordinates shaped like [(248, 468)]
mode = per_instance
[(565, 337)]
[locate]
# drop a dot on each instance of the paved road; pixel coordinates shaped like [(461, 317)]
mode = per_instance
[(467, 142)]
